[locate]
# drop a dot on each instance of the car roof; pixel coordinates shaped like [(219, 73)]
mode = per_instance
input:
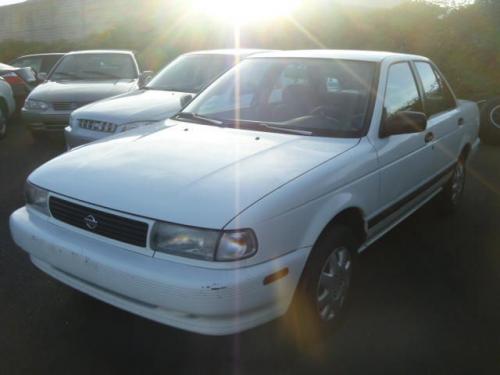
[(240, 52), (373, 56), (42, 54), (100, 51)]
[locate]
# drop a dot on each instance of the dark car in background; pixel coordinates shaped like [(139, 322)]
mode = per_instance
[(79, 78), (21, 80), (41, 63)]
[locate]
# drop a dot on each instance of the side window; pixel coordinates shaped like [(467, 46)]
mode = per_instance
[(402, 92), (438, 97), (48, 62)]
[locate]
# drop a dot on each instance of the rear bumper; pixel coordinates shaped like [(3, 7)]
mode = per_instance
[(45, 121), (203, 300)]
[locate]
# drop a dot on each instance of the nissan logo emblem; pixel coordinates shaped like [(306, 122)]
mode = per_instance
[(90, 222)]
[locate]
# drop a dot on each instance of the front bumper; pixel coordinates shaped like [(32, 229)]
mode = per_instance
[(45, 121), (198, 299), (77, 137)]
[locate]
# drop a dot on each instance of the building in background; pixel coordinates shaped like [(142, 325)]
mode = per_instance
[(51, 20)]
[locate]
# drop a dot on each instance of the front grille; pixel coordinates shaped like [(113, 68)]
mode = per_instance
[(67, 106), (100, 126), (108, 225)]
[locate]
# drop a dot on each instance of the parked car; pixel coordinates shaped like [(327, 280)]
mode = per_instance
[(490, 121), (79, 78), (7, 105), (159, 99), (255, 199), (21, 80), (41, 63)]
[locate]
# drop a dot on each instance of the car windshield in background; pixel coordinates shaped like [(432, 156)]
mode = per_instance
[(323, 97), (95, 67), (191, 73), (34, 62)]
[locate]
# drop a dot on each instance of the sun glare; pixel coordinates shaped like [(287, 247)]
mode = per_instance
[(246, 11)]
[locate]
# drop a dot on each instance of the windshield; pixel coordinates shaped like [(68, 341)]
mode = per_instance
[(191, 73), (101, 66), (324, 97)]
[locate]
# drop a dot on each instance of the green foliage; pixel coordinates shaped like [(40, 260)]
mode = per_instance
[(463, 41)]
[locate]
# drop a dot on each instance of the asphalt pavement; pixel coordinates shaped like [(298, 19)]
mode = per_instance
[(427, 301)]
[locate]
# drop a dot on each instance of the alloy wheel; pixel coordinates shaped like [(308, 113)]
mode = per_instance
[(334, 283)]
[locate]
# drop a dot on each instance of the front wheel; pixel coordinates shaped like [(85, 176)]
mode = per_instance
[(321, 296)]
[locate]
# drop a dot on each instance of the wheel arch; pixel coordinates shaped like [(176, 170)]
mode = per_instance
[(352, 217)]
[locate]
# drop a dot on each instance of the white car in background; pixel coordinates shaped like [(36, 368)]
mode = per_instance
[(257, 197), (7, 106), (160, 99)]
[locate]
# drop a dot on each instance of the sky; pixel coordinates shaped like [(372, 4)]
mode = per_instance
[(372, 2), (7, 2)]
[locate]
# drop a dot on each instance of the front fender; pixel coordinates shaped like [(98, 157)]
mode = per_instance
[(295, 215)]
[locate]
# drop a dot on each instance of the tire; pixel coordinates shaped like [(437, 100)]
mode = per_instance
[(490, 122), (321, 296), (450, 197), (3, 124)]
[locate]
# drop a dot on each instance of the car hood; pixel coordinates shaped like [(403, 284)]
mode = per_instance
[(81, 91), (185, 173), (138, 105)]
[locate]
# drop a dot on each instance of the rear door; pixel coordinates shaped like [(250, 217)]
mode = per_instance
[(444, 120)]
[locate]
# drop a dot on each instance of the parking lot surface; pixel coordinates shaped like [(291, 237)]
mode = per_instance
[(427, 301)]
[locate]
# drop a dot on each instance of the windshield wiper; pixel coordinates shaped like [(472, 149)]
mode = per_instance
[(275, 127), (103, 74), (203, 119)]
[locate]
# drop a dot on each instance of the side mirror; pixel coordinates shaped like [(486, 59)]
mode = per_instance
[(144, 78), (41, 77), (185, 100), (405, 122)]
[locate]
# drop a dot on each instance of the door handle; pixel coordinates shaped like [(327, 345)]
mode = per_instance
[(429, 137), (461, 121)]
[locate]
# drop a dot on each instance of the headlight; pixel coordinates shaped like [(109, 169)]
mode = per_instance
[(203, 243), (133, 125), (37, 198), (184, 241), (235, 245), (36, 105)]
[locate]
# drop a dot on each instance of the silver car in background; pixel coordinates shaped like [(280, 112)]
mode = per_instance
[(79, 78), (160, 99)]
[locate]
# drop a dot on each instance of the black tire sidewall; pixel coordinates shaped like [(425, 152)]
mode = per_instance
[(447, 205)]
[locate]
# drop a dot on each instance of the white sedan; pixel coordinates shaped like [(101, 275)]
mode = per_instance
[(255, 200)]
